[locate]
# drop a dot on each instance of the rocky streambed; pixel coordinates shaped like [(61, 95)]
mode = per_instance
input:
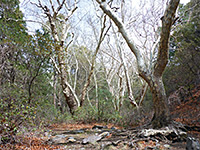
[(101, 137)]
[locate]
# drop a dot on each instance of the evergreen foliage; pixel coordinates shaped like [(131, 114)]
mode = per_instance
[(183, 69)]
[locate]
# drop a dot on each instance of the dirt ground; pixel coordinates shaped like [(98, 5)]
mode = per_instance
[(119, 139)]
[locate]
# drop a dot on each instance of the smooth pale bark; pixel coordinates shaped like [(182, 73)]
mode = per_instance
[(59, 34), (68, 92), (128, 81), (152, 76), (96, 90), (110, 76), (161, 111), (144, 91)]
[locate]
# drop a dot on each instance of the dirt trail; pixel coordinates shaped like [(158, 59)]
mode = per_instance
[(89, 137)]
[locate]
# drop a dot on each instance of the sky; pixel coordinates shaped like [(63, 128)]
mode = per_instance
[(30, 14), (135, 2), (184, 1)]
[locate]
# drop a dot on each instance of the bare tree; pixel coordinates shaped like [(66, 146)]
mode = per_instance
[(59, 31), (153, 76), (103, 33), (126, 71)]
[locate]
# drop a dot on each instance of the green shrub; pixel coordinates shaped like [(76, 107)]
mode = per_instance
[(14, 111)]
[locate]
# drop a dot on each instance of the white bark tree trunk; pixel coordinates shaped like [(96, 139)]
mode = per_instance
[(59, 32), (154, 76)]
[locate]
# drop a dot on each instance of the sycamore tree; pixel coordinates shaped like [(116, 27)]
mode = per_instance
[(57, 25), (58, 14), (152, 75)]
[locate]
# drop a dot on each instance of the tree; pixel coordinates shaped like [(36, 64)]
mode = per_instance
[(103, 33), (153, 75), (18, 69), (61, 38), (183, 69), (9, 13)]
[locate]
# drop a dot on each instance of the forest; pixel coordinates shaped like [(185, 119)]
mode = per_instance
[(99, 74)]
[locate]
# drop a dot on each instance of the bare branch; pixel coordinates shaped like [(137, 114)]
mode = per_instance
[(110, 55), (70, 41), (55, 65), (120, 26), (58, 2), (71, 13), (38, 5), (101, 38), (60, 6), (140, 61), (52, 5)]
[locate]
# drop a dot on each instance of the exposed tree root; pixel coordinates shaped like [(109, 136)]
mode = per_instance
[(174, 132)]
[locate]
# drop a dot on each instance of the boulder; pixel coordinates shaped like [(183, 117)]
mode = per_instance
[(91, 139), (105, 134), (59, 139), (71, 140)]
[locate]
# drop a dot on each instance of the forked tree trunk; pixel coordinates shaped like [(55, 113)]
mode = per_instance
[(154, 75), (70, 100), (59, 32)]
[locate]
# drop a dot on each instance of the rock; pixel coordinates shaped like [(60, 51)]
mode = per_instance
[(167, 146), (192, 144), (47, 134), (99, 127), (150, 147), (79, 131), (91, 139), (106, 146), (71, 140), (119, 131), (59, 139), (158, 144), (62, 139), (105, 134)]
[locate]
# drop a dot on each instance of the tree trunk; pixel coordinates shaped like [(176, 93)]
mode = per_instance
[(54, 89), (153, 76), (69, 96), (161, 111), (59, 31)]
